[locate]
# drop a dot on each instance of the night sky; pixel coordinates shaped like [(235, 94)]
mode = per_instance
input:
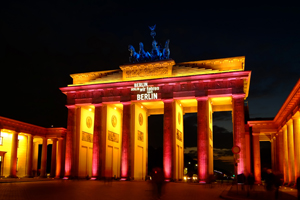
[(42, 43)]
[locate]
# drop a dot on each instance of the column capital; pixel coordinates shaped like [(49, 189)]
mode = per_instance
[(70, 106), (296, 115), (289, 122), (236, 96), (167, 100), (203, 98), (126, 103)]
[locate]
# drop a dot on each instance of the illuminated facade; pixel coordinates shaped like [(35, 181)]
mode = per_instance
[(107, 131), (19, 149), (284, 134)]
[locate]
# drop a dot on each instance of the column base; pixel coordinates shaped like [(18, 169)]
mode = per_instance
[(27, 176), (12, 176)]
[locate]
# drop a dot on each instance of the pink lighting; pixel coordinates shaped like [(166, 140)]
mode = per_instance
[(97, 133), (202, 138), (69, 140), (66, 178), (125, 140), (93, 179), (167, 140)]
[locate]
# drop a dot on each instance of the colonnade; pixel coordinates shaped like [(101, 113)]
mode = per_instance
[(204, 135), (287, 150), (56, 160)]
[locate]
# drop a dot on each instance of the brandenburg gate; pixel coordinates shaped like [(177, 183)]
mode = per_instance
[(107, 130)]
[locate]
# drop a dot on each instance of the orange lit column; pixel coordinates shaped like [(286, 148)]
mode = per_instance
[(272, 141), (96, 171), (296, 127), (59, 158), (290, 137), (29, 155), (13, 156), (53, 157), (202, 138), (239, 130), (285, 155), (280, 152), (69, 140), (256, 157), (125, 165), (44, 158), (168, 139), (248, 149)]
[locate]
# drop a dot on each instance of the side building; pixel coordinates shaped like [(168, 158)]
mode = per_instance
[(23, 150)]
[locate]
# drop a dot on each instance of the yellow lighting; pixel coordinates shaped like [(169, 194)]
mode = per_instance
[(179, 104), (142, 107), (90, 109)]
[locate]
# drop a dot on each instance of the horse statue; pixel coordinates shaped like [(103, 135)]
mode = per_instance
[(155, 53), (134, 56), (166, 51), (144, 56)]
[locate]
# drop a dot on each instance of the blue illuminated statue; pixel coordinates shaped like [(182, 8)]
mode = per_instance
[(144, 56), (134, 56), (157, 53)]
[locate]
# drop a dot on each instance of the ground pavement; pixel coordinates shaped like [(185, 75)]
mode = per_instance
[(33, 189)]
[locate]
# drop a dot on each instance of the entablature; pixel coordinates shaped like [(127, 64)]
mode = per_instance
[(212, 85), (11, 125)]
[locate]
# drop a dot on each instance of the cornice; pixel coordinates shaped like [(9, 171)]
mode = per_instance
[(22, 127)]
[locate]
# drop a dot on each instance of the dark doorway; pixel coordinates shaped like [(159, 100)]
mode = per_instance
[(155, 141)]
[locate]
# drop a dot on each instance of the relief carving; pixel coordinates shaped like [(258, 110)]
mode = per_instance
[(87, 137), (114, 137), (179, 135), (140, 136)]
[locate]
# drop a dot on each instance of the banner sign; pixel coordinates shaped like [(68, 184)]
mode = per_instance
[(145, 92)]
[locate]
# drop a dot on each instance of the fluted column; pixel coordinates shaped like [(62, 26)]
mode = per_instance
[(53, 157), (13, 156), (168, 139), (203, 138), (125, 165), (44, 158), (280, 152), (296, 130), (256, 157), (29, 155), (290, 135), (239, 130), (59, 158), (96, 171), (69, 140), (285, 155)]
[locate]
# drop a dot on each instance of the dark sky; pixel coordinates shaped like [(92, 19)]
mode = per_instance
[(42, 42)]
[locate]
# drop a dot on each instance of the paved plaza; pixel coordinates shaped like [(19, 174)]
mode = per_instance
[(88, 190)]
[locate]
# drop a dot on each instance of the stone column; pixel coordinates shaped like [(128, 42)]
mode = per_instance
[(44, 158), (290, 137), (96, 172), (256, 157), (296, 130), (272, 141), (168, 139), (53, 158), (69, 140), (125, 165), (239, 130), (59, 158), (29, 156), (280, 152), (203, 138), (14, 155), (285, 155)]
